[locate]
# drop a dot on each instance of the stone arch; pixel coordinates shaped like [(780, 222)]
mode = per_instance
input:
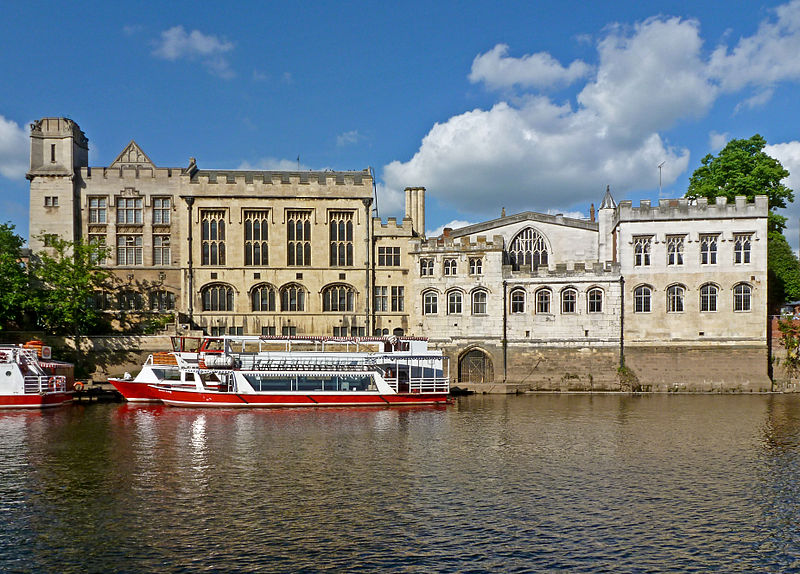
[(475, 366)]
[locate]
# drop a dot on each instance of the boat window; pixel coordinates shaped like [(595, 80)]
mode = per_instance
[(262, 383), (210, 378)]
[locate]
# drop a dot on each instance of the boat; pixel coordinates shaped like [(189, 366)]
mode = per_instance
[(295, 371), (28, 382)]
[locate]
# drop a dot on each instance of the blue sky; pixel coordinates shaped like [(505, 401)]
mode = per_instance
[(523, 105)]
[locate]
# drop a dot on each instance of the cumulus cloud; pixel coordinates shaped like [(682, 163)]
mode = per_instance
[(497, 70), (789, 155), (717, 141), (176, 44), (14, 149)]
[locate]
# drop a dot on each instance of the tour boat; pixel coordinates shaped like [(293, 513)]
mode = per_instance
[(27, 382), (273, 371)]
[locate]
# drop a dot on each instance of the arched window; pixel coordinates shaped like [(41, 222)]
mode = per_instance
[(569, 301), (338, 298), (675, 295), (518, 301), (479, 303), (450, 267), (162, 300), (543, 297), (708, 297), (217, 298), (430, 303), (528, 250), (741, 297), (454, 299), (594, 300), (426, 267), (262, 298), (130, 301), (642, 296), (293, 298)]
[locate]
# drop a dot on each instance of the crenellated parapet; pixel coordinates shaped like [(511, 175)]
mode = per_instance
[(446, 244), (129, 173), (391, 227), (700, 208), (592, 270)]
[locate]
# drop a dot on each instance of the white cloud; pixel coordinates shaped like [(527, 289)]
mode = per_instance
[(391, 202), (454, 224), (14, 149), (789, 155), (717, 141), (176, 44), (348, 138), (274, 164), (540, 70)]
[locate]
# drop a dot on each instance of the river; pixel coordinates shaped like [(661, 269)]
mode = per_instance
[(533, 483)]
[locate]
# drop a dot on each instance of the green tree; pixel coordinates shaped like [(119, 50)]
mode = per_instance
[(67, 277), (14, 291), (742, 168), (783, 271)]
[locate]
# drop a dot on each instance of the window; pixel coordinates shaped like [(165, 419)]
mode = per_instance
[(454, 299), (430, 303), (641, 299), (398, 299), (389, 256), (52, 153), (51, 201), (268, 331), (569, 301), (741, 297), (528, 250), (129, 249), (293, 298), (239, 331), (262, 298), (708, 249), (130, 301), (97, 210), (354, 331), (543, 301), (381, 299), (338, 298), (289, 331), (675, 295), (213, 237), (479, 303), (741, 248), (641, 251), (450, 267), (161, 250), (594, 299), (426, 267), (102, 300), (675, 250), (475, 266), (708, 298), (162, 301), (341, 238), (98, 240), (298, 238), (161, 210), (256, 234), (129, 210), (518, 301), (217, 298)]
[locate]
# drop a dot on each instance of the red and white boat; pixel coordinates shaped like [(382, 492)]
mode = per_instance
[(27, 382), (294, 372)]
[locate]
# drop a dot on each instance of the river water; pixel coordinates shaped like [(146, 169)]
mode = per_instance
[(533, 483)]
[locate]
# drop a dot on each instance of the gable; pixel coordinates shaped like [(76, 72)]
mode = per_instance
[(132, 156)]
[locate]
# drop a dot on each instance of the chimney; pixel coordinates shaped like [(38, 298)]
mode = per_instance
[(446, 232), (591, 213)]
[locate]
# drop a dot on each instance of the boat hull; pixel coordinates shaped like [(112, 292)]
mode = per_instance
[(135, 392), (35, 401)]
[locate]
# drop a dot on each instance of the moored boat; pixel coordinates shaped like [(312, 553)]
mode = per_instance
[(27, 382)]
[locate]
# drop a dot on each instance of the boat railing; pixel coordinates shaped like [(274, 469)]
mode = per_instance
[(47, 384), (256, 363), (420, 385)]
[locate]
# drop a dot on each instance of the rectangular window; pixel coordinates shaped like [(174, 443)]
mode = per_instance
[(239, 331), (99, 240), (389, 256), (269, 331), (641, 251), (298, 238), (212, 237), (475, 266), (129, 249), (398, 299), (675, 250), (129, 210), (341, 238), (161, 210), (256, 234), (52, 153), (161, 250), (381, 299), (97, 210), (708, 249), (51, 201), (741, 247), (289, 331)]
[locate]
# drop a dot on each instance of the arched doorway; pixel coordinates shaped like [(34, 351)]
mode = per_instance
[(475, 366)]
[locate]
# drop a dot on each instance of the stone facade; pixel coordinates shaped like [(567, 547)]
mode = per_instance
[(529, 300)]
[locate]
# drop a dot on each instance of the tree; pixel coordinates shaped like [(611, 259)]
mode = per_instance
[(742, 168), (783, 272), (13, 276), (67, 277)]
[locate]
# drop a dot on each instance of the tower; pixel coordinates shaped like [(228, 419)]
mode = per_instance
[(606, 246)]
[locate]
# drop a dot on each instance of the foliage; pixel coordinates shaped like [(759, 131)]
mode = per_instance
[(13, 276), (790, 338), (783, 272), (66, 277), (742, 168), (628, 381)]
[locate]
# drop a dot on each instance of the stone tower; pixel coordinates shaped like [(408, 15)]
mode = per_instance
[(58, 150), (606, 246)]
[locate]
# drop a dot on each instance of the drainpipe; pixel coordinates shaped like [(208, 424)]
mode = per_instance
[(369, 319), (622, 322), (505, 333), (189, 202)]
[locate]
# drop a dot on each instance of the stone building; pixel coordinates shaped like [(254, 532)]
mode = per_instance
[(675, 292)]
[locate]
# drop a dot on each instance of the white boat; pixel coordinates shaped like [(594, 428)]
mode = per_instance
[(27, 382)]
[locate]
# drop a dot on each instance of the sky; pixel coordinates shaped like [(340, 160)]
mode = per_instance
[(488, 105)]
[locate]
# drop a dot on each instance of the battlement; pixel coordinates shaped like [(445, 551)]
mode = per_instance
[(460, 244), (391, 227), (672, 209), (320, 178), (59, 127), (127, 173), (581, 269)]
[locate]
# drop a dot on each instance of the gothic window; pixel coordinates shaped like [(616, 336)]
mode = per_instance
[(341, 238), (102, 300), (454, 300), (298, 238), (130, 301), (449, 266), (389, 256), (426, 267), (675, 296), (594, 299), (741, 247), (708, 297), (293, 298), (129, 210), (256, 234), (162, 300), (675, 250), (338, 298), (641, 251), (741, 297), (217, 298), (475, 266), (398, 298), (528, 250), (642, 296), (262, 298), (518, 301), (129, 249), (381, 299), (430, 303), (213, 237), (161, 210), (98, 240), (97, 210), (543, 297), (708, 249), (569, 301), (479, 303), (161, 250)]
